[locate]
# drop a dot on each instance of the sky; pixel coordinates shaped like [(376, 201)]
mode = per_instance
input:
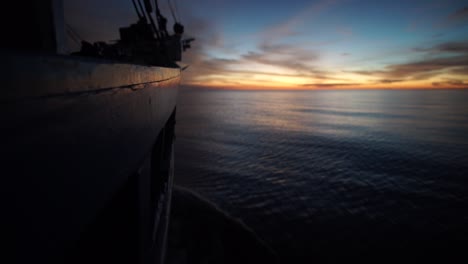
[(323, 44)]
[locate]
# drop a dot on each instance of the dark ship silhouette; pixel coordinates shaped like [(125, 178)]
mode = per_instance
[(88, 138)]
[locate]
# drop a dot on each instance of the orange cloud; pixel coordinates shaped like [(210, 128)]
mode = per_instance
[(276, 65)]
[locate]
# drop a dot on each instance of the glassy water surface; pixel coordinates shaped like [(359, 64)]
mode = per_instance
[(328, 175)]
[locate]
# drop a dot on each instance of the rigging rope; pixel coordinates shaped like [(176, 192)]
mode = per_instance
[(142, 9), (149, 10), (172, 11), (72, 33), (176, 7), (140, 16), (162, 21)]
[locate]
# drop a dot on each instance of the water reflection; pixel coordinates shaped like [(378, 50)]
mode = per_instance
[(313, 172)]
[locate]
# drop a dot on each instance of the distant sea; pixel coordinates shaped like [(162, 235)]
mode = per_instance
[(325, 176)]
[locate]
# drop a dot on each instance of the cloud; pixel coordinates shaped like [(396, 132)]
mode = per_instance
[(201, 65), (280, 59), (459, 71), (368, 72), (450, 57), (426, 66), (284, 56), (276, 54), (455, 19), (390, 81), (448, 47), (458, 17), (329, 85), (458, 47), (208, 38), (451, 83), (289, 27)]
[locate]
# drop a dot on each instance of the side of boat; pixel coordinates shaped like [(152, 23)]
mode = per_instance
[(89, 158)]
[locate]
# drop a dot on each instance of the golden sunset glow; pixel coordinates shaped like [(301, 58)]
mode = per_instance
[(323, 46), (244, 81)]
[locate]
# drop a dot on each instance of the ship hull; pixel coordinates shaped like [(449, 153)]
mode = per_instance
[(87, 145)]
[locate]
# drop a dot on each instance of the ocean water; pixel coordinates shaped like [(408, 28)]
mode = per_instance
[(329, 176)]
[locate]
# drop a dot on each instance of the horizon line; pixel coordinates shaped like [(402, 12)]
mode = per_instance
[(266, 88)]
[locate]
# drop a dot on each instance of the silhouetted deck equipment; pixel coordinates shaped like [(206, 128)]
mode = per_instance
[(88, 147)]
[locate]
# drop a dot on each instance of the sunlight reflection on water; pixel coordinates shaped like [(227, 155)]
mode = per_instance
[(323, 168)]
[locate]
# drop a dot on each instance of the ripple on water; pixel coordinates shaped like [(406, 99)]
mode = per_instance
[(314, 171)]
